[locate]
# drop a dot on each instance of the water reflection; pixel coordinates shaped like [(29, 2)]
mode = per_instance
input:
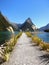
[(5, 36)]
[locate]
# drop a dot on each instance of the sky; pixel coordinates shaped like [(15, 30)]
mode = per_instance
[(18, 11)]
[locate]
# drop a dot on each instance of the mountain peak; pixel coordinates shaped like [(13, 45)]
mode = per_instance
[(47, 24), (45, 28), (28, 20), (28, 25)]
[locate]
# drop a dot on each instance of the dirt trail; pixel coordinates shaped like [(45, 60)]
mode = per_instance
[(25, 53)]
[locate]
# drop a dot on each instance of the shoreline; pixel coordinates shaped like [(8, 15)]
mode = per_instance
[(35, 32)]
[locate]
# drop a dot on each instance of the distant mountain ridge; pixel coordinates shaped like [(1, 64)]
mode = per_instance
[(15, 26), (5, 24), (26, 26), (45, 28)]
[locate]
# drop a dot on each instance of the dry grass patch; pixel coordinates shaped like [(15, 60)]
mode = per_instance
[(36, 40), (44, 45), (29, 34), (39, 42)]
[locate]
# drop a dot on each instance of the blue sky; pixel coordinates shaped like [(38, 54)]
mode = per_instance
[(18, 11)]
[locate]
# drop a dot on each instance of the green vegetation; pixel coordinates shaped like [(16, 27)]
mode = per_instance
[(8, 47)]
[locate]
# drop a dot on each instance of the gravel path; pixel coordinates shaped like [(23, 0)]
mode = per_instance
[(25, 53)]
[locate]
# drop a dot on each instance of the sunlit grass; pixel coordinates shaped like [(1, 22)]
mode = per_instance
[(6, 56), (44, 45), (28, 34), (8, 46), (38, 42)]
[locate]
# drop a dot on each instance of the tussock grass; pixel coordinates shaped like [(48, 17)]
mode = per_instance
[(44, 45), (29, 34), (8, 47), (38, 42)]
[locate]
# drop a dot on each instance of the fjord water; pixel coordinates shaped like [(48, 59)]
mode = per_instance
[(5, 36), (44, 36)]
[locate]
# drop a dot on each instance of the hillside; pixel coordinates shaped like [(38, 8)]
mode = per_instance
[(45, 28), (15, 26), (28, 25), (3, 22)]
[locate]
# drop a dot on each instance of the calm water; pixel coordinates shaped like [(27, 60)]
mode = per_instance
[(44, 36), (4, 36)]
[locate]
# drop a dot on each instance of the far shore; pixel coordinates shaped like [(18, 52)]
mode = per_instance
[(35, 32)]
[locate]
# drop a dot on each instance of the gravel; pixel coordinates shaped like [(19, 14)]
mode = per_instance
[(25, 53)]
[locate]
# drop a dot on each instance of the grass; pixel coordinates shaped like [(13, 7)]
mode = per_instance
[(44, 46), (29, 34), (8, 47), (38, 42)]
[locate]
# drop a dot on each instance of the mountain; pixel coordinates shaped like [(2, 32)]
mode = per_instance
[(4, 24), (15, 26), (19, 25), (28, 25), (45, 28)]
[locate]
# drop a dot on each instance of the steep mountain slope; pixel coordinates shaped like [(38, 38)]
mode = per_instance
[(3, 22), (15, 26), (28, 25), (45, 28)]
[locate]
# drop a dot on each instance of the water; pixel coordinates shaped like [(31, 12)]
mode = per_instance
[(16, 32), (44, 36), (5, 36)]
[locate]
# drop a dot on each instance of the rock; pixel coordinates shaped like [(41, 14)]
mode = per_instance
[(10, 29)]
